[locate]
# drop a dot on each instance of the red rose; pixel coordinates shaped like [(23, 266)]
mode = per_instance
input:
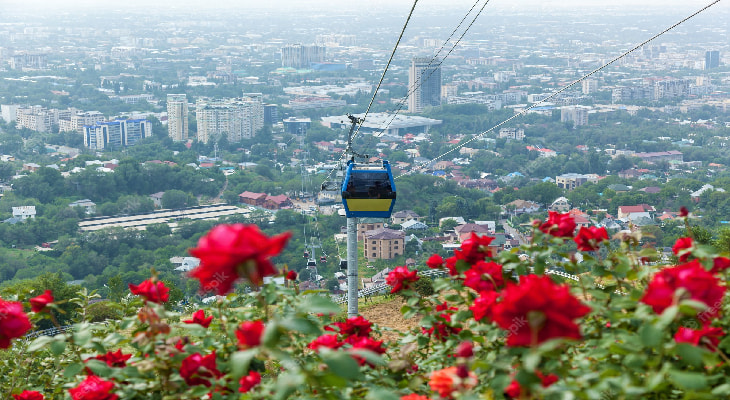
[(93, 388), (365, 343), (588, 239), (249, 381), (720, 264), (249, 334), (683, 212), (465, 350), (198, 370), (155, 292), (414, 396), (697, 283), (475, 248), (200, 319), (13, 322), (328, 341), (115, 359), (353, 326), (451, 266), (441, 329), (29, 395), (514, 389), (558, 225), (681, 246), (229, 252), (37, 304), (484, 304), (435, 261), (706, 337), (291, 275), (537, 310), (447, 381), (400, 278), (484, 276)]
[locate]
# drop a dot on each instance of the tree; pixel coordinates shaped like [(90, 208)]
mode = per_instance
[(174, 199)]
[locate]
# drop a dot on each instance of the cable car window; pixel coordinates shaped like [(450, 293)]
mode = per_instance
[(369, 185)]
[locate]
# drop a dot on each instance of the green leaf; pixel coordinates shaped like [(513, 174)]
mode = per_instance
[(369, 356), (341, 364), (532, 360), (240, 361), (668, 316), (72, 370), (650, 335), (39, 343), (381, 394), (319, 304), (300, 325), (287, 384), (688, 380), (99, 368), (83, 335), (690, 354), (57, 347), (271, 334), (722, 390)]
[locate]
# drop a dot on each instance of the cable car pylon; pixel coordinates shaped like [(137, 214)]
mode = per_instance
[(367, 190)]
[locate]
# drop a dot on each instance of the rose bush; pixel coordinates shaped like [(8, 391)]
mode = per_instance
[(530, 323)]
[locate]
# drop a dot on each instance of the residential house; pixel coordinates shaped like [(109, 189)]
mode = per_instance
[(464, 231), (559, 205), (368, 224), (458, 220), (572, 180), (252, 199), (632, 213), (24, 212), (707, 187), (412, 224), (383, 244), (277, 202), (184, 264), (405, 215), (518, 207), (88, 206), (157, 199), (32, 167), (581, 221)]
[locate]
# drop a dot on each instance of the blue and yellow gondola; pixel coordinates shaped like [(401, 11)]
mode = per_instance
[(368, 190)]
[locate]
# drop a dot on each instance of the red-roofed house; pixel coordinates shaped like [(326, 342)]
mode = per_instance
[(253, 199), (277, 202), (634, 212)]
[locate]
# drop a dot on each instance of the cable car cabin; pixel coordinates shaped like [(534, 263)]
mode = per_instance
[(311, 263), (322, 259), (368, 191), (306, 255)]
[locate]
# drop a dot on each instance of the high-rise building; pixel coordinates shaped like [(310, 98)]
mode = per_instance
[(712, 59), (271, 114), (236, 119), (116, 134), (424, 84), (177, 117), (577, 114), (301, 56)]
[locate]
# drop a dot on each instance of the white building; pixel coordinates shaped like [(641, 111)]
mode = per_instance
[(177, 117), (24, 212), (116, 134), (234, 118)]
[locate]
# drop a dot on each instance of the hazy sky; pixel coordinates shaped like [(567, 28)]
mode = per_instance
[(365, 5)]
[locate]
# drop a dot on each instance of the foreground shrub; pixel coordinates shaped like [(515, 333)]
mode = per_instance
[(509, 325)]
